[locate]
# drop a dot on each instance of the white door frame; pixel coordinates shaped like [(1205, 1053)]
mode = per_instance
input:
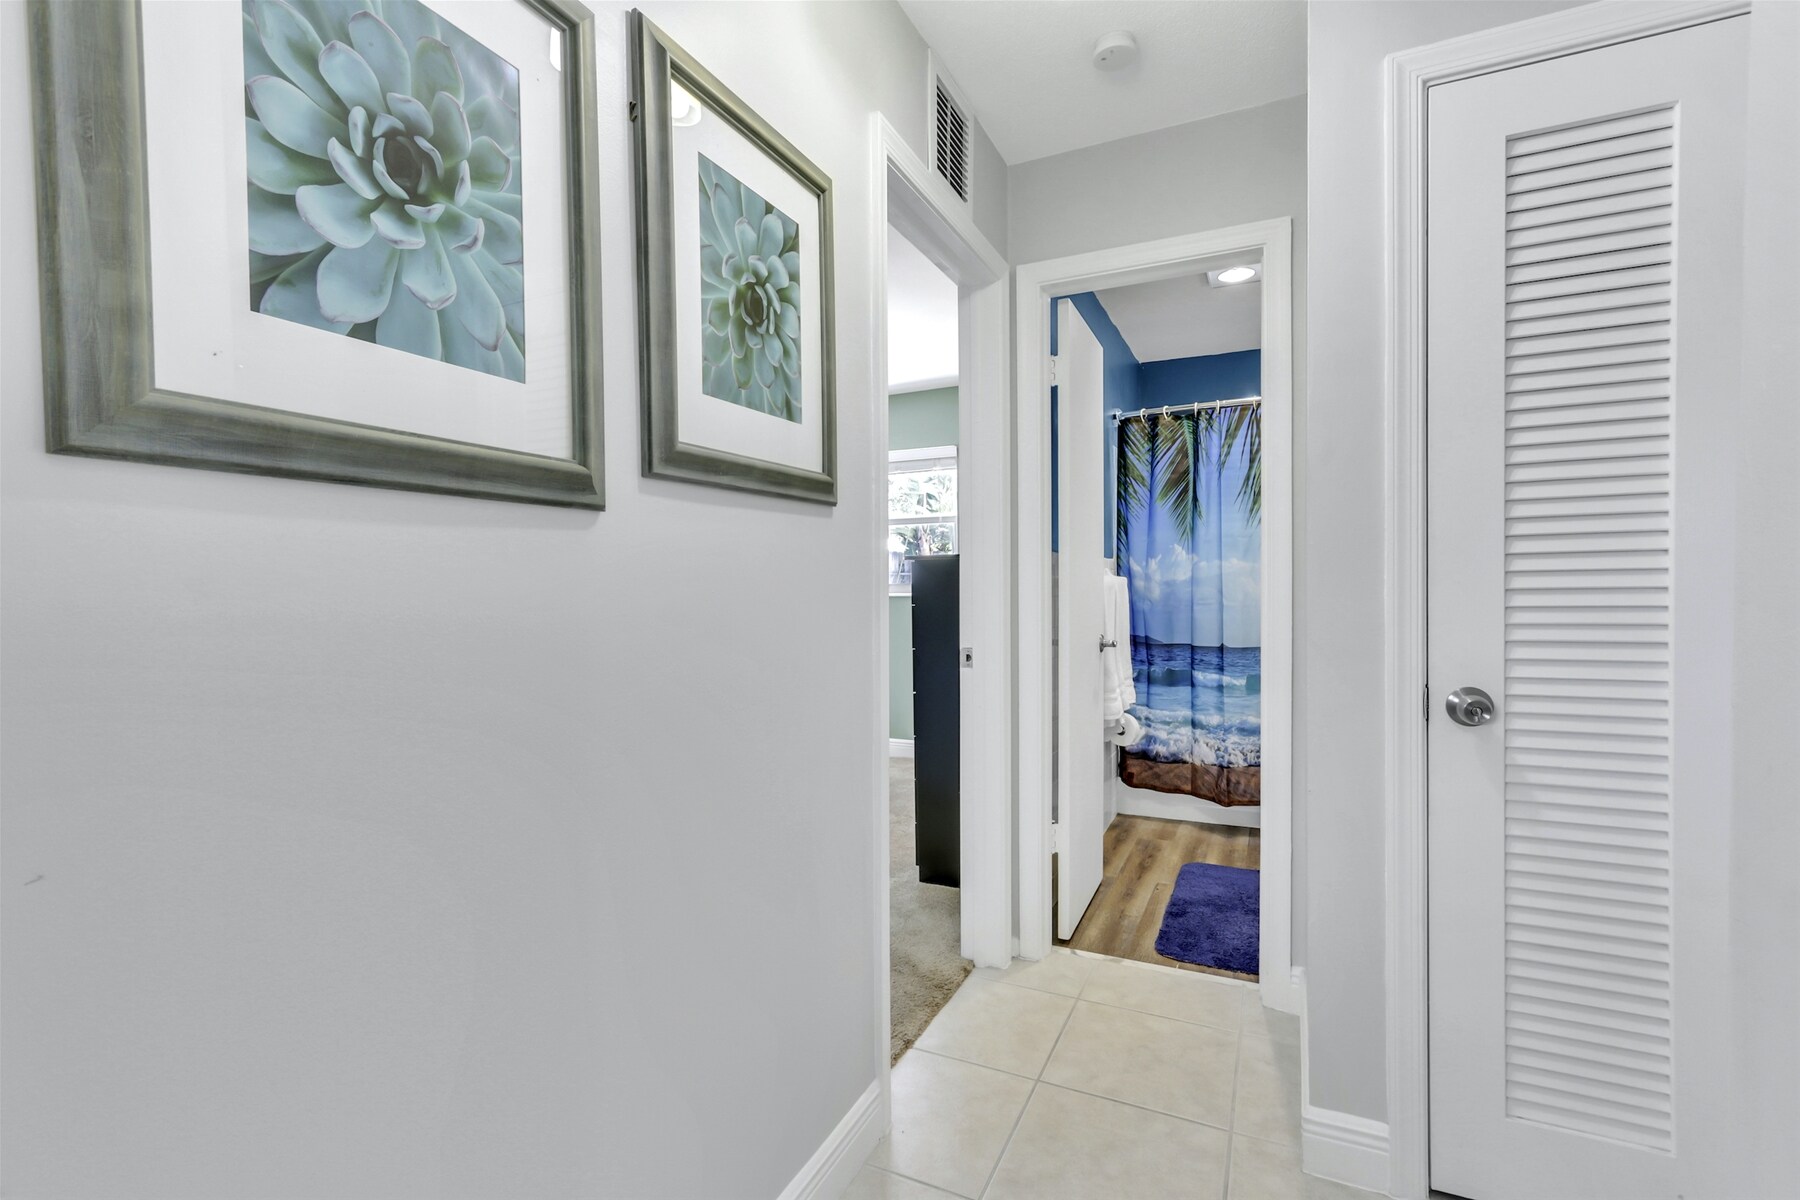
[(903, 192), (1147, 262), (1408, 77)]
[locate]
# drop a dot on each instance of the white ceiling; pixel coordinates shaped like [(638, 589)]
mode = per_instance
[(921, 318), (1026, 65), (1185, 318)]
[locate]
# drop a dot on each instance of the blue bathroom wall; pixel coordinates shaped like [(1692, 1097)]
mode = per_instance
[(1200, 380)]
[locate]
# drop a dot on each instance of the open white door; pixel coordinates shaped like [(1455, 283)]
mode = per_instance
[(1584, 272), (1081, 747)]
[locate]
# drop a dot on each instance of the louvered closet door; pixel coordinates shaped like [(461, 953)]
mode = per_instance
[(1584, 268)]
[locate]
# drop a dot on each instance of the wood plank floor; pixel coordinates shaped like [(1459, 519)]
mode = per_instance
[(1143, 856)]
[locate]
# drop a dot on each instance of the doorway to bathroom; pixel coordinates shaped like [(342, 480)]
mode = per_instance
[(1155, 675)]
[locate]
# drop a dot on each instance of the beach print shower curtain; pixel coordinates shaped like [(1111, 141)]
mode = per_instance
[(1190, 546)]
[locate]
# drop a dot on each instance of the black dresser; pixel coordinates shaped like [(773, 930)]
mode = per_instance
[(937, 719)]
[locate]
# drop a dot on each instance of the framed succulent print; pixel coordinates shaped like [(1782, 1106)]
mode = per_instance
[(735, 287), (349, 240)]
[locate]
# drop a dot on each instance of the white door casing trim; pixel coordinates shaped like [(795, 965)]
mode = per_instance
[(922, 206), (1143, 263), (1408, 76)]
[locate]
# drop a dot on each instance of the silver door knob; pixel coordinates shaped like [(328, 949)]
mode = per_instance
[(1469, 706)]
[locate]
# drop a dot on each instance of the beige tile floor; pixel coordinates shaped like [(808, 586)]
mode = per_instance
[(1090, 1078)]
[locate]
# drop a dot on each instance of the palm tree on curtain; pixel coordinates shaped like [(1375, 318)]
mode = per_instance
[(1243, 427), (1135, 465), (1176, 452)]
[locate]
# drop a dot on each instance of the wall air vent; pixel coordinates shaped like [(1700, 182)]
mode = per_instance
[(951, 131)]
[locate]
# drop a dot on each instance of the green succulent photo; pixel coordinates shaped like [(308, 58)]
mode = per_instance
[(749, 297), (384, 179)]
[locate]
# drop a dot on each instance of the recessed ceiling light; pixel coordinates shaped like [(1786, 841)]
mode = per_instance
[(683, 108), (1237, 274)]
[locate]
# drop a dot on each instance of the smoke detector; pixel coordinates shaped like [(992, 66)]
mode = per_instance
[(1115, 51)]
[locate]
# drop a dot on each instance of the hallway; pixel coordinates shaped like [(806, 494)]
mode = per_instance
[(1082, 1078)]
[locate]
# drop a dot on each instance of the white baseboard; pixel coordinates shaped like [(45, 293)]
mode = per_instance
[(1349, 1149), (827, 1174), (900, 748), (1336, 1145)]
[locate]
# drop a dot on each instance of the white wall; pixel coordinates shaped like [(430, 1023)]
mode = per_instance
[(1228, 170), (1243, 166), (374, 844), (1338, 717), (990, 190)]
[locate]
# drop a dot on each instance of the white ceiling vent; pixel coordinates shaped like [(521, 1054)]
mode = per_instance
[(951, 130)]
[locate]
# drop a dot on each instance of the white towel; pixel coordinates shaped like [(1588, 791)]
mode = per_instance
[(1119, 693)]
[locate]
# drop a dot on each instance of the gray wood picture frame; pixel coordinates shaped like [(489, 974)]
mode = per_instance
[(100, 395), (656, 61)]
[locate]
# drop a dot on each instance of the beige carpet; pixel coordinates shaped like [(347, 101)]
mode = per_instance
[(924, 958)]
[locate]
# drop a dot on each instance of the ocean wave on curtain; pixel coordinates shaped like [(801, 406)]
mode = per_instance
[(1190, 547)]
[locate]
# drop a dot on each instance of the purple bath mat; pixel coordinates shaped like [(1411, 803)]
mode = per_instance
[(1212, 918)]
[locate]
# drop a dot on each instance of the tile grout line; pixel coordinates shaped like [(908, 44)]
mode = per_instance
[(1231, 1136), (990, 1066), (911, 1179), (1238, 1034), (1239, 1029), (1164, 1016), (1007, 1144), (1226, 1128), (1229, 1127), (1019, 1120)]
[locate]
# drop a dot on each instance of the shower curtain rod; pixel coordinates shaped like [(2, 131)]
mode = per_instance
[(1166, 409)]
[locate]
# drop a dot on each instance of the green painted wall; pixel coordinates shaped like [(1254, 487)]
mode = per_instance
[(915, 420), (920, 419)]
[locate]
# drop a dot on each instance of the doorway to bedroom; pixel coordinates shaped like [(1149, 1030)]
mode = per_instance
[(938, 529), (926, 960)]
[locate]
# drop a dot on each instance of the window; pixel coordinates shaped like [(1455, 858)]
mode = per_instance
[(921, 509)]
